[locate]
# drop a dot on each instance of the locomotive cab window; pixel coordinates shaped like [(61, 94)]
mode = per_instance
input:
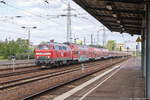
[(60, 48), (56, 47), (68, 48), (64, 48)]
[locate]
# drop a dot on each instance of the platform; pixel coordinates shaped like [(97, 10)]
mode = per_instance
[(123, 83)]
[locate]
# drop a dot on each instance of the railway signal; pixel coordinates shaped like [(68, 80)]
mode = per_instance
[(82, 67), (13, 58)]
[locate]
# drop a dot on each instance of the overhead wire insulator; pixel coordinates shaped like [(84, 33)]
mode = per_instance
[(3, 2), (46, 1)]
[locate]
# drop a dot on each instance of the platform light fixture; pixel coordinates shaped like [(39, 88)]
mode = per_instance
[(2, 2), (109, 6), (121, 26), (23, 27), (118, 21), (34, 27), (114, 15), (123, 29), (132, 34), (18, 16)]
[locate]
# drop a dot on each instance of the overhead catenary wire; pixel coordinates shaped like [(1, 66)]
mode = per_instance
[(20, 33), (23, 10), (11, 17), (8, 21), (78, 13), (5, 20), (31, 14), (34, 15), (74, 9), (39, 16), (39, 37), (12, 32)]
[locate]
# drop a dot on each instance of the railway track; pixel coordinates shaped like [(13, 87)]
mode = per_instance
[(67, 82), (17, 68), (24, 66), (8, 74), (19, 81), (34, 73), (27, 70), (54, 77), (8, 84), (17, 62)]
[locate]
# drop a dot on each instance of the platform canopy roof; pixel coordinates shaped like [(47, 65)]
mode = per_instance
[(117, 15)]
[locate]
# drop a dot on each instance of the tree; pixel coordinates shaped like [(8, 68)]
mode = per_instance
[(18, 47), (111, 45), (96, 46)]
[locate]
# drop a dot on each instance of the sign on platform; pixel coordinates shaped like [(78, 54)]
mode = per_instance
[(138, 39)]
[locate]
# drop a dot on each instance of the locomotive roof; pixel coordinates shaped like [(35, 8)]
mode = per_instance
[(77, 45), (47, 43)]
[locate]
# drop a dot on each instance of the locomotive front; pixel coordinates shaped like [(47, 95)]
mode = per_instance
[(43, 54)]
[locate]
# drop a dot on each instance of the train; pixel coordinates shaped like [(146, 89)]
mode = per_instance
[(56, 54)]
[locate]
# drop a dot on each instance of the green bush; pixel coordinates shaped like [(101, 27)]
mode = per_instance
[(2, 58), (24, 56), (19, 48)]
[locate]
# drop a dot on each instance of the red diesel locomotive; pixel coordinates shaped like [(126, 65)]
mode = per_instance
[(58, 54), (52, 53)]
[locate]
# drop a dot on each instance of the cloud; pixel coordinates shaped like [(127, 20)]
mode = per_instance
[(40, 3), (25, 3), (36, 10), (83, 27)]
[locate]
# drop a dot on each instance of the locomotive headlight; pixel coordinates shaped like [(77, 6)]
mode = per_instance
[(47, 53), (41, 53), (38, 53)]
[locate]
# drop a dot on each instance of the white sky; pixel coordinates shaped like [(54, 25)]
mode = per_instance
[(37, 13)]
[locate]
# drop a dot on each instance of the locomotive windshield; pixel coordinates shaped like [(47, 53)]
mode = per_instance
[(43, 47)]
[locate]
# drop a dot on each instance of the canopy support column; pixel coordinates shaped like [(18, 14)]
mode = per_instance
[(147, 50)]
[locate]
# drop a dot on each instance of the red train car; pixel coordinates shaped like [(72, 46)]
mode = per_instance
[(74, 52), (59, 54), (80, 53), (52, 53)]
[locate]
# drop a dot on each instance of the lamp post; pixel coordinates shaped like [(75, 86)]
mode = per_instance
[(29, 29), (104, 36), (98, 36)]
